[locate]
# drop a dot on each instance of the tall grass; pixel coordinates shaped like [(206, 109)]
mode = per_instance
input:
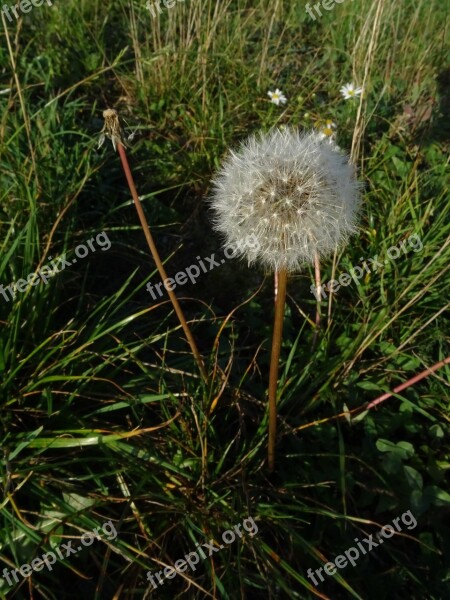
[(103, 413)]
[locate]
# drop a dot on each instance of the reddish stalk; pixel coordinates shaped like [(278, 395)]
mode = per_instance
[(113, 130), (159, 264), (280, 302), (380, 399), (319, 299), (408, 383)]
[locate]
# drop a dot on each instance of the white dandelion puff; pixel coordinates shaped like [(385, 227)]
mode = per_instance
[(295, 195), (286, 178)]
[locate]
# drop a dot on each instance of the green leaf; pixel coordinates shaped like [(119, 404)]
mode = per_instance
[(28, 439), (392, 463), (437, 496), (368, 385), (436, 431), (78, 502), (407, 448), (414, 478), (403, 449)]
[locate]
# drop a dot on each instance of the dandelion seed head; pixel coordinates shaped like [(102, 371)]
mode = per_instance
[(294, 193)]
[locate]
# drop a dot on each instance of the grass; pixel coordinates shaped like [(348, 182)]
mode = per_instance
[(104, 415)]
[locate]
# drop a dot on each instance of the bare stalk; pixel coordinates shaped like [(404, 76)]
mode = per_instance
[(317, 281), (411, 381), (280, 302), (112, 129), (159, 264)]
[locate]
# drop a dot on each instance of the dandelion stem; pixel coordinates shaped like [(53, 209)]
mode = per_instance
[(274, 363), (158, 262), (318, 312)]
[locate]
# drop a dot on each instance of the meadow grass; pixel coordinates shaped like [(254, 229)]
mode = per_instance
[(103, 412)]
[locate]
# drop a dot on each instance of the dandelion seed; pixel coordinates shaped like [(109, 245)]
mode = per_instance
[(132, 135), (350, 91)]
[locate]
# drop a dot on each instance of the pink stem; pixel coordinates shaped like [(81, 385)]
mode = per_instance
[(408, 383)]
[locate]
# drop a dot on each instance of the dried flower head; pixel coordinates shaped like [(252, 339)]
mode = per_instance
[(294, 193), (111, 129)]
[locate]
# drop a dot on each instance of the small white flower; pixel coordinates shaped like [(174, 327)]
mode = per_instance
[(350, 91), (326, 128), (277, 97)]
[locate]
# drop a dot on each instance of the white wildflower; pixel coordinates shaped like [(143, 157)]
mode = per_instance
[(277, 97), (350, 91), (327, 129)]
